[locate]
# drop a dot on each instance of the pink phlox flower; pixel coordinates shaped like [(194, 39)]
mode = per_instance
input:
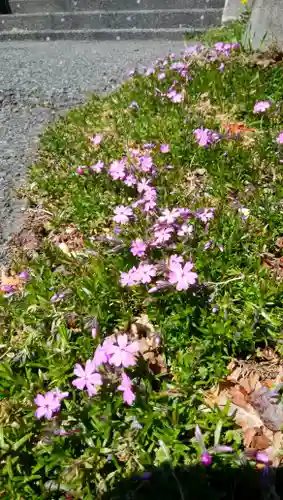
[(175, 97), (149, 205), (162, 235), (96, 139), (143, 185), (169, 216), (175, 260), (100, 356), (150, 71), (182, 277), (219, 46), (123, 353), (205, 214), (59, 394), (138, 247), (8, 290), (48, 404), (126, 387), (185, 230), (205, 136), (161, 76), (146, 163), (164, 148), (178, 66), (87, 378), (82, 170), (261, 106), (98, 167), (24, 275), (279, 139), (130, 180), (122, 214), (145, 273), (138, 203), (150, 193), (129, 278), (117, 170)]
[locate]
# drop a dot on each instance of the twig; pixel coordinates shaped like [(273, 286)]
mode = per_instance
[(226, 282)]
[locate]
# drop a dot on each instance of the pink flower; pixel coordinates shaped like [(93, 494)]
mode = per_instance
[(129, 278), (176, 97), (164, 148), (206, 459), (8, 290), (279, 139), (145, 273), (123, 354), (96, 139), (162, 235), (82, 170), (149, 205), (100, 356), (59, 394), (122, 214), (169, 216), (185, 229), (150, 71), (130, 180), (126, 387), (205, 214), (161, 76), (143, 185), (49, 403), (87, 378), (175, 259), (146, 163), (205, 136), (182, 277), (24, 275), (98, 167), (261, 106), (117, 170), (138, 248)]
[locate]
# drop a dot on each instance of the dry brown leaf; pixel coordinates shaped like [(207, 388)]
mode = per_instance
[(234, 376), (238, 397), (260, 441), (248, 436)]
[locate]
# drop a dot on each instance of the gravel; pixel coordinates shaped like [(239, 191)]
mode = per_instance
[(40, 79)]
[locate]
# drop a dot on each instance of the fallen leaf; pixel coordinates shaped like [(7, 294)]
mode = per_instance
[(248, 436), (238, 397), (237, 128)]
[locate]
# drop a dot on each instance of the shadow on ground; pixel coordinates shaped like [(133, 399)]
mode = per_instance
[(199, 483)]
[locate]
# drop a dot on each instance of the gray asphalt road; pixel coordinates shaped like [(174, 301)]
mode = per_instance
[(37, 80)]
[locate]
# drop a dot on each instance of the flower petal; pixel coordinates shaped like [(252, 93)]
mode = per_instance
[(39, 400), (40, 412), (79, 383), (79, 371), (122, 340)]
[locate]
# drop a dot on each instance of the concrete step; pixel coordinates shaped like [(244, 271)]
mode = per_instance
[(103, 20), (36, 6), (99, 35)]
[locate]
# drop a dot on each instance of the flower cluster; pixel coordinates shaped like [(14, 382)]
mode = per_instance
[(49, 403), (109, 360)]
